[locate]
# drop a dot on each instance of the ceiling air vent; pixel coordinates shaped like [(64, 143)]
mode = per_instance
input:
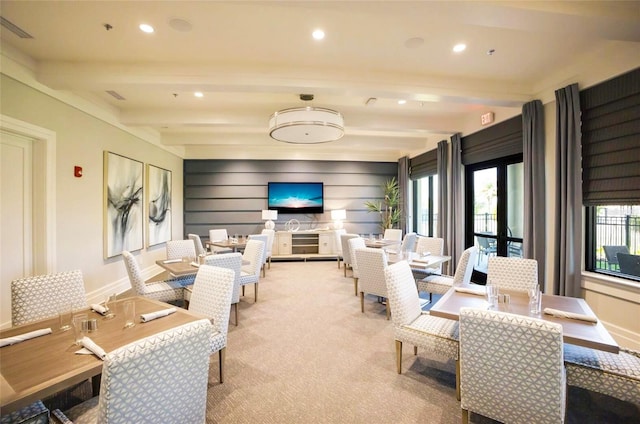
[(14, 28), (115, 94)]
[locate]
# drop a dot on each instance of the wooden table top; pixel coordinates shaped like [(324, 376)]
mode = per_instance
[(178, 269), (581, 333), (418, 262), (42, 366), (240, 244), (378, 243)]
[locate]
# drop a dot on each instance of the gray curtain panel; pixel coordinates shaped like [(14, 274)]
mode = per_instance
[(443, 195), (568, 241), (533, 141), (403, 185), (456, 235)]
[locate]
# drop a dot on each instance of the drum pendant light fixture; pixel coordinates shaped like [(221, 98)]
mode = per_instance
[(306, 125)]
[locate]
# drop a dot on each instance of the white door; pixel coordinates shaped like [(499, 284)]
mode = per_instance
[(16, 214)]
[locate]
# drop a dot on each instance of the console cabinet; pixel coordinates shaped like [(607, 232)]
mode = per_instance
[(304, 244)]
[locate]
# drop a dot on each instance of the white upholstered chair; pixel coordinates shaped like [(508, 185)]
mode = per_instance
[(431, 245), (511, 367), (171, 290), (219, 234), (408, 244), (269, 247), (231, 261), (211, 296), (440, 284), (413, 325), (178, 249), (158, 379), (517, 274), (41, 296), (616, 375), (371, 265), (197, 242), (250, 273), (354, 244), (265, 239), (338, 243), (393, 234), (346, 255)]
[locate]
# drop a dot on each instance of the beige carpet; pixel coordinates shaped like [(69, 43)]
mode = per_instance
[(304, 353)]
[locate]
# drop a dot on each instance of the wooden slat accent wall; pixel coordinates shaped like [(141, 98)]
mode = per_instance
[(231, 194)]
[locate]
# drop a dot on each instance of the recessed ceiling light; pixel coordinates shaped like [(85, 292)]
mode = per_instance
[(401, 102), (146, 28), (198, 94), (181, 25), (318, 34), (414, 42), (459, 47)]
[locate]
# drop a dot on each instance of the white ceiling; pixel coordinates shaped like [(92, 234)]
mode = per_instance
[(252, 58)]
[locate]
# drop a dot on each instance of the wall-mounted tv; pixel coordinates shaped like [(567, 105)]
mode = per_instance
[(298, 198)]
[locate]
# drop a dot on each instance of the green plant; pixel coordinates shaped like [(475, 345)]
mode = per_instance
[(389, 208)]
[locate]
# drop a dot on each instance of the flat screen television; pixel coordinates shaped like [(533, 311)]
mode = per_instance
[(296, 198)]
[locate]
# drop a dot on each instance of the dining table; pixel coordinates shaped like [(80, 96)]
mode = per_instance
[(575, 331), (231, 243), (179, 267), (39, 367), (418, 261), (380, 243)]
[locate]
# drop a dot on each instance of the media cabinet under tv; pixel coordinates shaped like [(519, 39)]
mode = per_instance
[(318, 244)]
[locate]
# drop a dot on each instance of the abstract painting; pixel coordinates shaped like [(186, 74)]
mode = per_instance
[(159, 202), (123, 200)]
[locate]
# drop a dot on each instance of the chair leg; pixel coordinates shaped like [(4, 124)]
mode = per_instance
[(235, 310), (221, 355), (269, 262), (338, 263), (415, 350), (256, 292), (388, 310), (465, 416), (399, 356), (243, 290), (264, 271), (362, 302), (345, 269), (355, 285), (458, 380)]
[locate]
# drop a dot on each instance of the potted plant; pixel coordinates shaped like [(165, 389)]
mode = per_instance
[(389, 208)]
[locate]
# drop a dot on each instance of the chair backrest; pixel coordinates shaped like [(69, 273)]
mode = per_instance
[(512, 367), (42, 296), (178, 249), (135, 276), (338, 242), (393, 234), (465, 266), (344, 242), (409, 242), (371, 264), (402, 294), (432, 245), (355, 243), (253, 254), (218, 234), (197, 242), (231, 261), (211, 296), (272, 236), (629, 264), (160, 379), (611, 253), (265, 239), (512, 273)]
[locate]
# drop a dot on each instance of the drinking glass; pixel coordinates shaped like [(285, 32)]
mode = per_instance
[(109, 304), (492, 295), (64, 317), (80, 327), (535, 300), (129, 307)]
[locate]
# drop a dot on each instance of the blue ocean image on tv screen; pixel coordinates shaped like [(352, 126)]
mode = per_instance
[(295, 196)]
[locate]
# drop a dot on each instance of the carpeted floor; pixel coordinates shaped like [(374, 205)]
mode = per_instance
[(304, 353)]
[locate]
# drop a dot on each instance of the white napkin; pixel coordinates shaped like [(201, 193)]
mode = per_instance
[(573, 315), (415, 264), (99, 308), (92, 347), (157, 314), (424, 261), (469, 290), (197, 265), (22, 337), (171, 261)]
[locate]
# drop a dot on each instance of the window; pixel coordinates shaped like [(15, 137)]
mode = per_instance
[(425, 203)]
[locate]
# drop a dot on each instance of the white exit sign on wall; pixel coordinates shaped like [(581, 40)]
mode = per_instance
[(486, 118)]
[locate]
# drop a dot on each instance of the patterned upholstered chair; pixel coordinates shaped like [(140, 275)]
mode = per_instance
[(512, 273), (603, 372), (36, 413), (171, 290), (264, 238), (338, 244), (250, 273), (408, 244), (211, 297), (511, 367), (158, 379), (371, 264), (41, 296), (219, 234), (231, 261), (354, 244), (393, 234), (178, 249), (434, 246), (346, 254), (269, 247), (197, 242), (412, 325), (440, 284)]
